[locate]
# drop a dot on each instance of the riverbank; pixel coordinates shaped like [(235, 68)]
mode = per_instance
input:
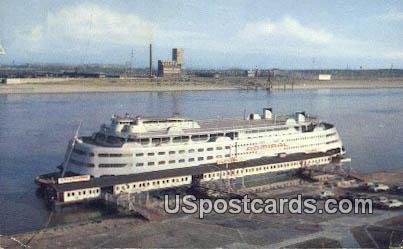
[(142, 85), (229, 230), (111, 85)]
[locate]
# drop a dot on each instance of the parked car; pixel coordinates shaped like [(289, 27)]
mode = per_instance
[(393, 203), (326, 194), (377, 187)]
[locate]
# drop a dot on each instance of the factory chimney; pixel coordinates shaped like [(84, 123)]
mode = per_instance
[(151, 61)]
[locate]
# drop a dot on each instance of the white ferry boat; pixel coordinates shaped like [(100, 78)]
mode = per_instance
[(131, 145), (134, 154)]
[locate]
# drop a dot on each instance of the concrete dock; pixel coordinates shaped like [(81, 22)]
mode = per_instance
[(382, 229)]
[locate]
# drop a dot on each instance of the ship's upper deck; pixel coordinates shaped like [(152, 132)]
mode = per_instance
[(138, 127), (162, 130), (236, 124)]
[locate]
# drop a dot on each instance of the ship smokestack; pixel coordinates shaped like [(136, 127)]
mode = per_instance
[(151, 60), (267, 113), (301, 117)]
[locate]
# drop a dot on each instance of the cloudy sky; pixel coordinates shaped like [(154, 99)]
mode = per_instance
[(214, 34)]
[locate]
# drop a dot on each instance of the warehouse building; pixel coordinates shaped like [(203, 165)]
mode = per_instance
[(173, 68), (168, 69)]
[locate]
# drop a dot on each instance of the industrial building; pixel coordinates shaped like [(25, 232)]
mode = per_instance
[(178, 56), (173, 68), (169, 69), (252, 73)]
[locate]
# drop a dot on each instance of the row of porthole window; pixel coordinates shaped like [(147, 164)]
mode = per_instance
[(182, 139), (266, 130), (257, 169), (140, 164), (249, 144), (91, 154), (304, 138), (153, 183), (161, 153), (101, 165), (81, 163), (80, 152), (301, 146), (95, 191), (283, 134), (274, 135), (248, 153), (281, 165), (333, 141)]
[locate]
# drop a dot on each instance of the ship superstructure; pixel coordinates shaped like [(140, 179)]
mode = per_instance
[(132, 145), (134, 154)]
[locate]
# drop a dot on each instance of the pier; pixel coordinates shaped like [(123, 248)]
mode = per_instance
[(312, 230), (72, 191)]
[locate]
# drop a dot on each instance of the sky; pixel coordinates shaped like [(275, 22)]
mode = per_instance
[(214, 34)]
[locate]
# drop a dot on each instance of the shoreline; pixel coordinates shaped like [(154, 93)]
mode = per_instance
[(111, 85)]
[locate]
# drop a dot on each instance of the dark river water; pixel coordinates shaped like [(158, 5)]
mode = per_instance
[(34, 130)]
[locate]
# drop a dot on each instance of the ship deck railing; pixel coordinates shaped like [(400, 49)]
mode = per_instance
[(212, 126), (225, 125)]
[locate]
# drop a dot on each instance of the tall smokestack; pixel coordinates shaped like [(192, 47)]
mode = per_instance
[(151, 60)]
